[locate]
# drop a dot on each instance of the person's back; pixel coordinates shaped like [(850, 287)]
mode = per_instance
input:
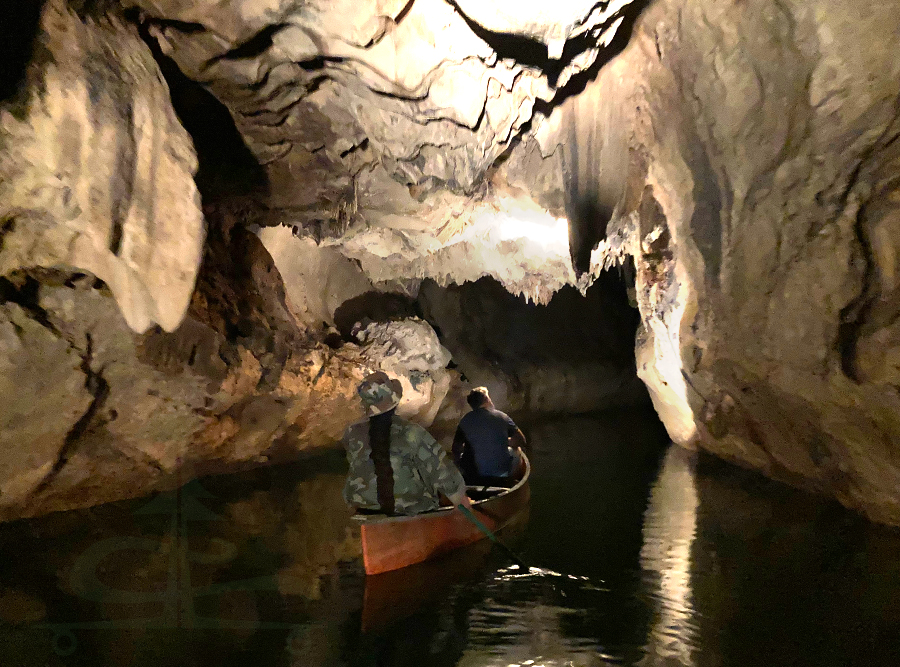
[(487, 430), (482, 443), (396, 467), (420, 472)]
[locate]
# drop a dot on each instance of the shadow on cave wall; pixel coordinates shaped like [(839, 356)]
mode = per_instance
[(19, 24), (227, 168), (595, 152), (373, 306)]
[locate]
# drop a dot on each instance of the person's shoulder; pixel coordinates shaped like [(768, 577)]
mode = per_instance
[(357, 429), (414, 432), (502, 415)]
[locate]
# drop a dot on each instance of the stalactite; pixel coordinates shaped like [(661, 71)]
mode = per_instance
[(595, 161)]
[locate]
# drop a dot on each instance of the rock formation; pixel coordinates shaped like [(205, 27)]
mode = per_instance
[(97, 172), (764, 191), (739, 159)]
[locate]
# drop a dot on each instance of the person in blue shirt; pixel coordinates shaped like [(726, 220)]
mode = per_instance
[(487, 445)]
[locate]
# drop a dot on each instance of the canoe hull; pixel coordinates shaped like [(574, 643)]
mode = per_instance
[(396, 542)]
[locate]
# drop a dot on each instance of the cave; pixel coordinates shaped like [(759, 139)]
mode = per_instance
[(217, 217)]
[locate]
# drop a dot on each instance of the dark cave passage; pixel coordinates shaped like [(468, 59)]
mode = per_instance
[(575, 354)]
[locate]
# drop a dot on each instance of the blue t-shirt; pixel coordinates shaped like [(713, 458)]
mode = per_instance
[(487, 431)]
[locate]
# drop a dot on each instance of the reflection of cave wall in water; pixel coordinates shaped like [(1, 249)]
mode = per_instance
[(574, 355), (261, 548), (761, 554)]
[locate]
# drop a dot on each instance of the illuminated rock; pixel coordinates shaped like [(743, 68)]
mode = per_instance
[(97, 172)]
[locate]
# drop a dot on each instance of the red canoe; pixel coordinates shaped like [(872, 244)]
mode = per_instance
[(390, 543)]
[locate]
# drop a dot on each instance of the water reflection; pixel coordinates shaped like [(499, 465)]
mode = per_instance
[(578, 604), (787, 578), (670, 525), (227, 567), (636, 559), (526, 620)]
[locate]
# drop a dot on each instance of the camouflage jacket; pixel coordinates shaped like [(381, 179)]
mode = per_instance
[(421, 468)]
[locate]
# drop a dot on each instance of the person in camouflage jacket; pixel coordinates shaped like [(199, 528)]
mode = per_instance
[(408, 471)]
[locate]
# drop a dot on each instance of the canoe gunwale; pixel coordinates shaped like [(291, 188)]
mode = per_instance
[(441, 512), (392, 543)]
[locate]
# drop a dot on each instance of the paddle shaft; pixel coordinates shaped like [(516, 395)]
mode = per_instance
[(487, 531)]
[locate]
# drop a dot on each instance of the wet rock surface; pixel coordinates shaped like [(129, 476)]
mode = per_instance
[(761, 190), (102, 413)]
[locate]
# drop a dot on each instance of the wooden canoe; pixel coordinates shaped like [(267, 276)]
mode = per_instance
[(390, 543)]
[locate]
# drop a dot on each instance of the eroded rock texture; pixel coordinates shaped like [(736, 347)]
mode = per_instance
[(96, 171), (380, 122), (95, 412), (762, 206), (425, 90)]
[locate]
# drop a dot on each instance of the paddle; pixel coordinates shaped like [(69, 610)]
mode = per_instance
[(493, 538)]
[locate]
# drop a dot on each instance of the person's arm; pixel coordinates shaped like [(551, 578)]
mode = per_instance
[(517, 439), (437, 471), (459, 442), (354, 484), (461, 499)]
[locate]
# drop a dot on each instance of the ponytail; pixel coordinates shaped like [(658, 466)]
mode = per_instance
[(380, 444)]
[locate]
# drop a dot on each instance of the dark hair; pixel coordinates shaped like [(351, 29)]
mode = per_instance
[(477, 397), (380, 444)]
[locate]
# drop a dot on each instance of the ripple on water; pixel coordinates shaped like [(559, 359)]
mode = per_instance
[(527, 617)]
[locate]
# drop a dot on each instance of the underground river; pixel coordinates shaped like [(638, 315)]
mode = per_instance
[(638, 555)]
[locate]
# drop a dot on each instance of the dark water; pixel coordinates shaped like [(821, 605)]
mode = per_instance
[(639, 556)]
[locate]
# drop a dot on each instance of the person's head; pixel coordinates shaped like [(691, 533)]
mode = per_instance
[(379, 393), (479, 398)]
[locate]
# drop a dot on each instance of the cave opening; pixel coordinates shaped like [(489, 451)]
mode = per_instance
[(573, 355)]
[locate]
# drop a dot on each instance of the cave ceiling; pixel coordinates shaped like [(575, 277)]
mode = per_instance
[(419, 139), (389, 127)]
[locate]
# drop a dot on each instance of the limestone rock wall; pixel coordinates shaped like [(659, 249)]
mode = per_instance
[(94, 412), (427, 90), (761, 210), (317, 279), (96, 171)]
